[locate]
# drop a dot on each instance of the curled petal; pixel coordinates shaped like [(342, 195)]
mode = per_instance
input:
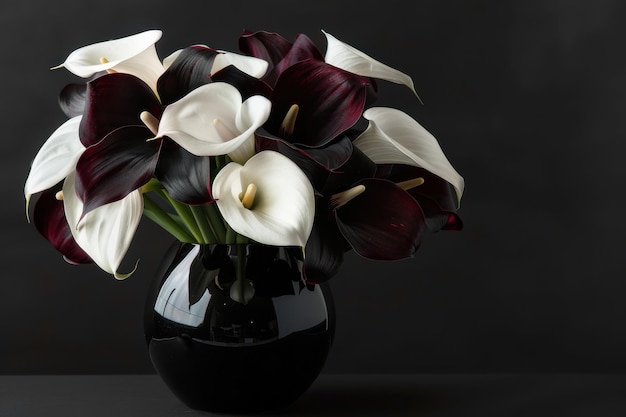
[(383, 223), (268, 46), (213, 120), (247, 85), (284, 205), (187, 70), (436, 196), (117, 165), (278, 51), (393, 137), (114, 101), (250, 65), (351, 59), (56, 158), (72, 99), (49, 219), (135, 54), (105, 233)]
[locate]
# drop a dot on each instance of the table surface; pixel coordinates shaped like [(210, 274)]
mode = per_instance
[(570, 395)]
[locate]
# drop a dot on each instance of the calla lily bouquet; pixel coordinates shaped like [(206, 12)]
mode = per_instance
[(278, 144)]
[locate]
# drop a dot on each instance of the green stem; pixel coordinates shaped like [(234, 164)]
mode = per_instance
[(185, 214), (230, 234), (163, 219), (203, 224), (215, 220)]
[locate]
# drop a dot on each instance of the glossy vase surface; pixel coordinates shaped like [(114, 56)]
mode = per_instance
[(221, 355)]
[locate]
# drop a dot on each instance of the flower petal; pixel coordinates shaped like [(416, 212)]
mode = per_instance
[(325, 247), (190, 122), (436, 196), (250, 65), (189, 69), (49, 219), (330, 101), (393, 137), (278, 51), (135, 54), (114, 101), (56, 158), (105, 233), (351, 59), (247, 85), (117, 165), (268, 46), (72, 99), (284, 206), (382, 223), (186, 177)]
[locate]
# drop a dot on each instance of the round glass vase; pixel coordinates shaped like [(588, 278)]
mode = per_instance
[(234, 328)]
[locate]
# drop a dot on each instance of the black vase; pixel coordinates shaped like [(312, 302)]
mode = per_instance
[(258, 352)]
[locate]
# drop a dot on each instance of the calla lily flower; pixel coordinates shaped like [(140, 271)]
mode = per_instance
[(393, 137), (135, 55), (313, 103), (436, 196), (351, 59), (194, 66), (213, 120), (115, 224), (49, 219), (120, 157), (280, 212), (277, 51), (56, 158)]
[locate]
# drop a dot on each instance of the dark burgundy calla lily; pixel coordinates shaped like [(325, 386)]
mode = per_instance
[(124, 158), (316, 163), (190, 70), (279, 52), (114, 101), (185, 176), (436, 196), (383, 223), (49, 219), (117, 165), (330, 101)]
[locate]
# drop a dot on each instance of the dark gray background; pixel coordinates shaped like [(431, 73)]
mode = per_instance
[(527, 99)]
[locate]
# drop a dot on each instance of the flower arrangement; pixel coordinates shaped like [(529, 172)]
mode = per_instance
[(278, 144)]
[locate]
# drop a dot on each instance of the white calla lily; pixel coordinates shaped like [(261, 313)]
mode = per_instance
[(346, 57), (212, 120), (135, 55), (106, 232), (56, 158), (393, 137), (282, 210)]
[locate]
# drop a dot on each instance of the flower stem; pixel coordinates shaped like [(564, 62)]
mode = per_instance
[(230, 234), (203, 224), (185, 214), (163, 219), (215, 221)]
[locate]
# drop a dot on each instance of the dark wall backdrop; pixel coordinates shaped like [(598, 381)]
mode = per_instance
[(526, 98)]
